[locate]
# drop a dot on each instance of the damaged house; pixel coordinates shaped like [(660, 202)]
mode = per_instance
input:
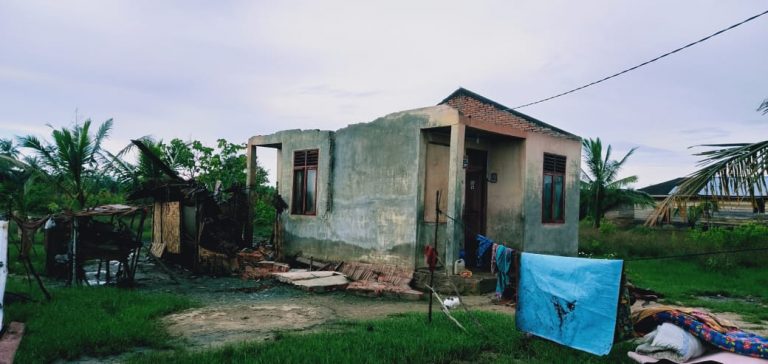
[(369, 192)]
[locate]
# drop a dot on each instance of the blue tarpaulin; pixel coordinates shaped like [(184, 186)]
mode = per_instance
[(571, 301)]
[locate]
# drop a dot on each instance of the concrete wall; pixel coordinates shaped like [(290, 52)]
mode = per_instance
[(373, 181), (506, 158), (369, 188), (551, 238)]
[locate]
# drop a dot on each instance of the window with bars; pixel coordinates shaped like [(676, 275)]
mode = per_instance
[(553, 191), (304, 200)]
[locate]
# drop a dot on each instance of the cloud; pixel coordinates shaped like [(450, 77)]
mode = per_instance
[(234, 69), (706, 133)]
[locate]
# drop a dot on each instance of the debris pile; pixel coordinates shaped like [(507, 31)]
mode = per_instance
[(262, 269), (378, 279), (318, 281), (372, 280)]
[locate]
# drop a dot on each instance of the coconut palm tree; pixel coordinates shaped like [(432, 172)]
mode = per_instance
[(8, 149), (71, 159), (735, 169), (601, 189)]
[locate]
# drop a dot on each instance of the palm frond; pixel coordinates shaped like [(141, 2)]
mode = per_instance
[(730, 170), (763, 107)]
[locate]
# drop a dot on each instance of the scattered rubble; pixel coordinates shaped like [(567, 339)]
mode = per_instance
[(377, 280), (319, 281)]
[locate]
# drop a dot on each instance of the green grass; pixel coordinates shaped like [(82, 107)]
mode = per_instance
[(405, 338), (740, 278), (90, 321), (685, 281)]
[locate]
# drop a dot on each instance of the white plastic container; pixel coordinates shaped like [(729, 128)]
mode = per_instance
[(458, 266)]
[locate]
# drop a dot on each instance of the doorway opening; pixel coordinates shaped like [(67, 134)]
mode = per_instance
[(475, 207)]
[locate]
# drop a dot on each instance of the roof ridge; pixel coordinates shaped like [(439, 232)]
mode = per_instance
[(463, 91)]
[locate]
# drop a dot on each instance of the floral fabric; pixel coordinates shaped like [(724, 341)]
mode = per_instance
[(735, 341)]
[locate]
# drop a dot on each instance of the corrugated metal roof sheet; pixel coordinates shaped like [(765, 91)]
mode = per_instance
[(717, 188)]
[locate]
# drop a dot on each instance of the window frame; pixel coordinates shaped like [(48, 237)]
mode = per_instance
[(559, 167), (301, 208)]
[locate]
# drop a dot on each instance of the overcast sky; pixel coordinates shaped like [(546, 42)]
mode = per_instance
[(228, 69)]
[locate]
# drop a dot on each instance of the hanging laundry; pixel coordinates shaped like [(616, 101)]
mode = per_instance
[(571, 301), (482, 247), (493, 257), (430, 257), (504, 258)]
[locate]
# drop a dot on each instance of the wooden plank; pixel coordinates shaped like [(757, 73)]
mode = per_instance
[(171, 215), (291, 277), (10, 341), (323, 284), (316, 264), (157, 247)]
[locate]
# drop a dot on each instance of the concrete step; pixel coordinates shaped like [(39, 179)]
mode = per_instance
[(479, 283)]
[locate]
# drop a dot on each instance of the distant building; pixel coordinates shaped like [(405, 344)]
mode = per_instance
[(739, 207), (367, 192)]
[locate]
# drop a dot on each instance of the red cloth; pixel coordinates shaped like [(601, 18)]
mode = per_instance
[(430, 257)]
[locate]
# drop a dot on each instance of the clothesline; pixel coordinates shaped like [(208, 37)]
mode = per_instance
[(689, 255)]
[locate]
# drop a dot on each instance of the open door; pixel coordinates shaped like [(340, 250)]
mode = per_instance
[(475, 206)]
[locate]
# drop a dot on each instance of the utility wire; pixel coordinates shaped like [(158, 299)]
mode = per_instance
[(698, 254), (658, 258), (642, 64)]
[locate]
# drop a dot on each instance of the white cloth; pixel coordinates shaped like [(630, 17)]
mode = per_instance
[(671, 342), (718, 357), (451, 302)]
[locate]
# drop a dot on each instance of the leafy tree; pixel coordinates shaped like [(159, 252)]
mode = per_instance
[(226, 165), (71, 160), (735, 169), (601, 189)]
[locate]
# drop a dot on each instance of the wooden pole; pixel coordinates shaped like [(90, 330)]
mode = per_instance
[(73, 261), (445, 309), (432, 270)]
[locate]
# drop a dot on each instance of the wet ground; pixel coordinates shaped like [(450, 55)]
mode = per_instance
[(233, 310)]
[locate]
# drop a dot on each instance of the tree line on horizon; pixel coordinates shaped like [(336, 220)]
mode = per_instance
[(73, 171)]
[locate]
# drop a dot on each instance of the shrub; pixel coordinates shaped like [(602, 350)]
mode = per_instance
[(645, 242), (607, 227)]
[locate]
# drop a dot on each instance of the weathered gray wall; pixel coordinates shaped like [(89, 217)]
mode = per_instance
[(551, 238), (368, 205), (372, 196)]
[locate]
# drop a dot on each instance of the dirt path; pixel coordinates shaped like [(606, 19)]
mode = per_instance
[(235, 310), (220, 324)]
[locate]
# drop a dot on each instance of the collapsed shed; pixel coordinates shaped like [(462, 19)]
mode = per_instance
[(107, 233), (196, 229), (193, 226)]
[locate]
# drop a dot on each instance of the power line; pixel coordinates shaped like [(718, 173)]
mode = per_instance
[(698, 254), (644, 63), (688, 255)]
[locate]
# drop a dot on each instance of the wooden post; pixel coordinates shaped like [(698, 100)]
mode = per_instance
[(432, 271), (73, 259)]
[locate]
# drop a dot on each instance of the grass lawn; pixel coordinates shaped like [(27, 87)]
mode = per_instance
[(83, 321), (736, 281), (105, 320), (686, 281), (90, 321), (405, 338)]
